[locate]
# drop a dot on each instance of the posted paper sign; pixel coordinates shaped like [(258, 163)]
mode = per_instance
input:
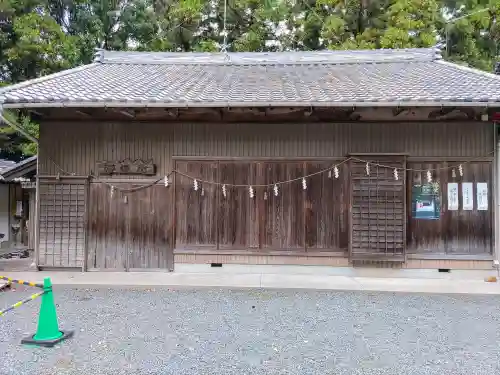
[(482, 196), (452, 196), (467, 196), (426, 204)]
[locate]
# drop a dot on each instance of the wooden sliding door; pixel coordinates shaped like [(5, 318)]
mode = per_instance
[(296, 220)]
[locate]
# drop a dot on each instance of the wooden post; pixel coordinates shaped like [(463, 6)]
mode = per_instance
[(37, 218)]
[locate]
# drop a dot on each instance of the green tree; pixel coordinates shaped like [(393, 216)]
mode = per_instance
[(471, 32), (15, 144), (40, 47), (411, 24), (352, 24), (39, 37), (32, 44)]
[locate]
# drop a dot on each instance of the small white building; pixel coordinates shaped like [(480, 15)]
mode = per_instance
[(17, 203)]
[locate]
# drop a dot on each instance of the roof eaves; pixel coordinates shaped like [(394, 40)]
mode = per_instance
[(468, 69), (19, 169), (207, 104)]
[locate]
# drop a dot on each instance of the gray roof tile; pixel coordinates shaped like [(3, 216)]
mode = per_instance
[(10, 170), (378, 77), (6, 164)]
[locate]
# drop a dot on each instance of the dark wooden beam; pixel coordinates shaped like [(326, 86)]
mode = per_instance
[(125, 112), (35, 112), (129, 114), (174, 113), (399, 110), (83, 113)]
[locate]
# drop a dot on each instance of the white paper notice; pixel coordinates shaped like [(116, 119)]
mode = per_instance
[(467, 196), (482, 196), (452, 196)]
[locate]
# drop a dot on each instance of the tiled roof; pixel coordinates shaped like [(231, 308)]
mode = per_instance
[(324, 78), (10, 169), (6, 164)]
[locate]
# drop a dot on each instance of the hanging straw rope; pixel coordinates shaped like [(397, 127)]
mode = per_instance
[(272, 184)]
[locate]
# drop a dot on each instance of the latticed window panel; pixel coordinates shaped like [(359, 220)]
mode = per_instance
[(61, 239), (378, 210)]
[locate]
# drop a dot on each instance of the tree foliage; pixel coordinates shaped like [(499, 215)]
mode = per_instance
[(39, 37)]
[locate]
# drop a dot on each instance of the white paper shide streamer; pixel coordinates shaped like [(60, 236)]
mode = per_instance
[(332, 171)]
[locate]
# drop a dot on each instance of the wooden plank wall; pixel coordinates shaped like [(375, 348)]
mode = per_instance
[(296, 220), (32, 219), (326, 208), (456, 232), (76, 147), (130, 231), (16, 194), (238, 224), (196, 210), (315, 220)]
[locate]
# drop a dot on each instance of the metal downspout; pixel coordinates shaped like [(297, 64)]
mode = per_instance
[(496, 197)]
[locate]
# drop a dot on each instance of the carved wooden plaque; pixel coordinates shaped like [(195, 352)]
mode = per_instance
[(127, 167)]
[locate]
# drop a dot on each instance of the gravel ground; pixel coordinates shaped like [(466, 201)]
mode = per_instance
[(239, 332)]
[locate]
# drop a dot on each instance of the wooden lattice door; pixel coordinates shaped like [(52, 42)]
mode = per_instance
[(62, 222), (378, 209)]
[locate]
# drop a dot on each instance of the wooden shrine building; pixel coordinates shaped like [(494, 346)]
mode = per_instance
[(382, 157)]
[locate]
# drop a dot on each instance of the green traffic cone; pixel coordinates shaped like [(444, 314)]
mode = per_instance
[(48, 333)]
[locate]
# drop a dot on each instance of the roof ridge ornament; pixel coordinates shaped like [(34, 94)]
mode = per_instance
[(224, 46), (98, 55), (438, 52)]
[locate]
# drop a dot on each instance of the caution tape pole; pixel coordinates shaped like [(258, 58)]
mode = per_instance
[(20, 303), (22, 282)]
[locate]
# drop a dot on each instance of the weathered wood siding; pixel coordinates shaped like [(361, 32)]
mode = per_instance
[(32, 219), (301, 220), (129, 231), (196, 211), (76, 147), (457, 232), (138, 231)]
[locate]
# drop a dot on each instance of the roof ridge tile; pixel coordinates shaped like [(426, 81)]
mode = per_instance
[(269, 58)]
